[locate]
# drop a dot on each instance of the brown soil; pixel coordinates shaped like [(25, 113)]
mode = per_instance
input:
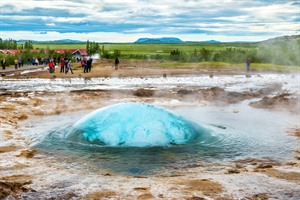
[(290, 176), (13, 185), (143, 92), (137, 68), (8, 188), (283, 100), (145, 196), (297, 133), (141, 189), (207, 187), (27, 153), (268, 167), (105, 68), (5, 149), (103, 194), (261, 196)]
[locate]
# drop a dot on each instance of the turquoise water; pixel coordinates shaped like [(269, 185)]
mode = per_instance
[(134, 125), (142, 139), (140, 160)]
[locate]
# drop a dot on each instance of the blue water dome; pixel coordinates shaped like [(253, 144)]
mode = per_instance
[(134, 124)]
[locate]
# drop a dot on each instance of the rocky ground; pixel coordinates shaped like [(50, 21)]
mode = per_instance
[(24, 176)]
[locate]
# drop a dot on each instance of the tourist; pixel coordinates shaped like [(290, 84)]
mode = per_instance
[(3, 63), (89, 64), (16, 63), (66, 65), (69, 67), (20, 62), (40, 61), (51, 66), (248, 64), (82, 63), (62, 66), (36, 61), (117, 61), (84, 66), (46, 60)]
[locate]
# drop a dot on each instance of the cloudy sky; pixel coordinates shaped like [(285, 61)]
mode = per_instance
[(128, 20)]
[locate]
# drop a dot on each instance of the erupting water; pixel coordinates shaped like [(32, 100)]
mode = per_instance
[(134, 124)]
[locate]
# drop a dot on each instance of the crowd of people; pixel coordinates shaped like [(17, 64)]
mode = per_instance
[(66, 64), (19, 63), (86, 64), (38, 61)]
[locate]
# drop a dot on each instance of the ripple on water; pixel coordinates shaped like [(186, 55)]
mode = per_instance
[(230, 137)]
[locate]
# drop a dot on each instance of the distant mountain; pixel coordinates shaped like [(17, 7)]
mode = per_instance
[(206, 41), (211, 41), (159, 40), (67, 41)]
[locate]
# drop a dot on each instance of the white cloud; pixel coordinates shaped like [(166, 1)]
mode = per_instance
[(118, 18), (273, 13), (50, 24)]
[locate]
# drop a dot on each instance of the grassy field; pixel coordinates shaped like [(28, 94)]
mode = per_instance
[(59, 46), (229, 66), (277, 52), (150, 49)]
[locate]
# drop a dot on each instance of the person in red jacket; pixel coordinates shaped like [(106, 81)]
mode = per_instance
[(62, 66), (51, 66)]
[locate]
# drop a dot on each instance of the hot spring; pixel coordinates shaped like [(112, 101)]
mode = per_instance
[(144, 139), (134, 125)]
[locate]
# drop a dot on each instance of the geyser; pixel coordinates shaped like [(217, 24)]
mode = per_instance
[(134, 124)]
